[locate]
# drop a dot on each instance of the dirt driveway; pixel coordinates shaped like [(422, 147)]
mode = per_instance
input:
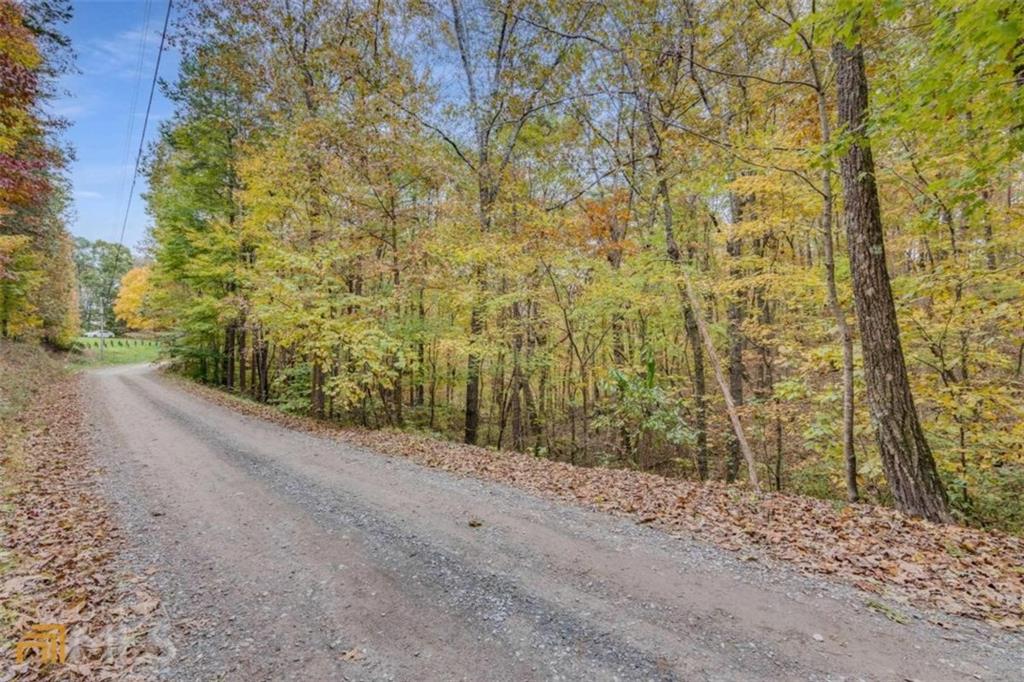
[(281, 555)]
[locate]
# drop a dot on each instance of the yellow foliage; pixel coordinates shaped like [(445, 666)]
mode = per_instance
[(130, 306)]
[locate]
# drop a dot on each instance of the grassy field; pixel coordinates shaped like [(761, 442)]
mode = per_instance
[(115, 352)]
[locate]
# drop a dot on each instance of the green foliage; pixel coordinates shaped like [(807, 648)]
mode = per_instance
[(353, 227), (992, 498), (638, 408), (99, 268), (37, 287)]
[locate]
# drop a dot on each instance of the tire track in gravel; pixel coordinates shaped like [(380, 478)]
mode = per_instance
[(487, 598), (308, 559)]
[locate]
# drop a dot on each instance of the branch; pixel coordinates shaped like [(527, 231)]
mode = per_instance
[(427, 124)]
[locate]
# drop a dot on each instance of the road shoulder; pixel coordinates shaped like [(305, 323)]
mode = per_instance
[(61, 547), (949, 573)]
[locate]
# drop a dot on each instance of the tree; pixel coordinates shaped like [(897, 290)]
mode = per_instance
[(906, 456), (36, 276), (539, 226), (131, 303), (512, 70), (100, 266)]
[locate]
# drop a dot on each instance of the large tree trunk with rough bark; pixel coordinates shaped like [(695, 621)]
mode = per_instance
[(906, 458)]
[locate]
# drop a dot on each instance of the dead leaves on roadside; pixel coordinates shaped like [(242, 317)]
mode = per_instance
[(58, 545)]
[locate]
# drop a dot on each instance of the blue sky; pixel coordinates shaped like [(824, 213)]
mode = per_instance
[(112, 39)]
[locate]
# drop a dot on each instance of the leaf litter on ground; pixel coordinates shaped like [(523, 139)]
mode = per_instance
[(59, 542)]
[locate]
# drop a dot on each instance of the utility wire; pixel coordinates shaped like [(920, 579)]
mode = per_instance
[(138, 158), (136, 87)]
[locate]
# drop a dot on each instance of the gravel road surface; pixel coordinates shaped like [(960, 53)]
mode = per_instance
[(280, 555)]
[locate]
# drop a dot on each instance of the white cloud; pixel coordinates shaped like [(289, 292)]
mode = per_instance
[(87, 194), (119, 56)]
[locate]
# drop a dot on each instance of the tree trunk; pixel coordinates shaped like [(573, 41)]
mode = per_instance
[(699, 391), (317, 397), (228, 370), (734, 316), (473, 378), (689, 311), (419, 398), (906, 458), (716, 365), (842, 326), (241, 357), (261, 361), (672, 250), (396, 398), (617, 234)]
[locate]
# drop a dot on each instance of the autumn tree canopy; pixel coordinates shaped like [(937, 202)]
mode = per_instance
[(774, 242), (37, 285)]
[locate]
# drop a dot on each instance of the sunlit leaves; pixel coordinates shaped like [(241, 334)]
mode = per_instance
[(329, 190)]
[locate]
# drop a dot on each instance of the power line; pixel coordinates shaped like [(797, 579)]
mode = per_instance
[(138, 156), (136, 87)]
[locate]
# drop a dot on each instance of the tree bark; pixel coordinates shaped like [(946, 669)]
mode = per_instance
[(734, 316), (228, 358), (716, 365), (317, 397), (699, 391), (906, 457), (690, 314), (420, 395), (845, 339), (261, 362), (241, 357), (473, 378), (842, 326)]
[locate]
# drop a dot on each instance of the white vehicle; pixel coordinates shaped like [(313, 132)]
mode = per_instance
[(99, 334)]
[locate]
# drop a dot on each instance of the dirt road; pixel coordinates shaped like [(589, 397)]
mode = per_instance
[(281, 555)]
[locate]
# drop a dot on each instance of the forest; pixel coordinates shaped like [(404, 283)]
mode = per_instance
[(512, 339), (776, 242), (37, 272)]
